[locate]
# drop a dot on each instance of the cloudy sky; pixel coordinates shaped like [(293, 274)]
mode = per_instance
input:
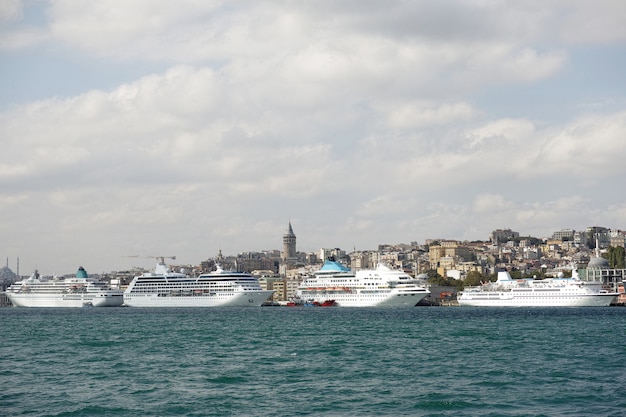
[(152, 127)]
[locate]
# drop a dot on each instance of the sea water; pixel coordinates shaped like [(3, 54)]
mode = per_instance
[(279, 361)]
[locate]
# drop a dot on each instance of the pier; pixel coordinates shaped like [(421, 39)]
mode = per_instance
[(4, 300)]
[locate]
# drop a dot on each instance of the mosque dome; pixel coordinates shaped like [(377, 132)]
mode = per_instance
[(598, 262), (6, 274)]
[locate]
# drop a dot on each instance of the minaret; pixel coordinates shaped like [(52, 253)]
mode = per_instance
[(289, 243)]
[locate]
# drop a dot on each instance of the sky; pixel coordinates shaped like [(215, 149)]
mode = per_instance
[(138, 128)]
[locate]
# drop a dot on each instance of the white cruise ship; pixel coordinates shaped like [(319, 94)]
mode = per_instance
[(220, 288), (380, 287), (80, 291), (551, 292)]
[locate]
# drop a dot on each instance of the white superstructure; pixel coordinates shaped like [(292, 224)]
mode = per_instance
[(165, 288), (79, 291), (551, 292), (380, 287)]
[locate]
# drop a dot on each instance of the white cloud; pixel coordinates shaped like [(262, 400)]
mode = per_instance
[(23, 38), (501, 62), (591, 22), (306, 47), (184, 31), (161, 129), (584, 147), (411, 115), (491, 203), (10, 10)]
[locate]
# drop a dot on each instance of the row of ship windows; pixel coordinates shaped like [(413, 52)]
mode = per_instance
[(377, 294), (193, 281), (363, 292), (545, 290), (147, 291), (155, 290), (522, 296), (343, 281), (185, 285), (200, 287)]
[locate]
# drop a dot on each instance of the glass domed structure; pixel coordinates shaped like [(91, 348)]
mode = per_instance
[(598, 262)]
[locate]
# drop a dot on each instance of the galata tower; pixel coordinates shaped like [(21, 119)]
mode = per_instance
[(289, 243)]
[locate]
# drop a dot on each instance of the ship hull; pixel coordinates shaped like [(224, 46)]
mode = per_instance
[(503, 299), (388, 299), (105, 299), (237, 299)]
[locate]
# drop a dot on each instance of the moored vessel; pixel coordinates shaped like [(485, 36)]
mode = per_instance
[(380, 287), (166, 288), (78, 291), (529, 292)]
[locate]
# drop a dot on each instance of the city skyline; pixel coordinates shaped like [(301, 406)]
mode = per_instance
[(148, 127), (290, 241)]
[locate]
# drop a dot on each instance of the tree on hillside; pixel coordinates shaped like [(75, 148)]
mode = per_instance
[(473, 279), (436, 279), (432, 274), (617, 257)]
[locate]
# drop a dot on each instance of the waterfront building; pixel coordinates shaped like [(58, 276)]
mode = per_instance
[(279, 290), (598, 269), (291, 285), (284, 288)]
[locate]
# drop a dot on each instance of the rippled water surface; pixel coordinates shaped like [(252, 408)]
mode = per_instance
[(423, 361)]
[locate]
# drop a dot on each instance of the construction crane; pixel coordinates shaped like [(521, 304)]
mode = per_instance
[(161, 259)]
